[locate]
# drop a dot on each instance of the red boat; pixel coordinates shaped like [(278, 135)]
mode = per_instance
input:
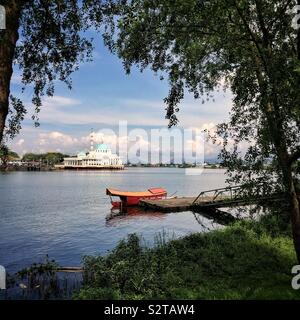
[(129, 198)]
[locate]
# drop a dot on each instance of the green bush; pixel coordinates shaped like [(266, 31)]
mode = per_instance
[(247, 260)]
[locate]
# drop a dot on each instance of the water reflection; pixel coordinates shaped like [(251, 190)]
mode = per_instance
[(207, 221), (64, 214), (117, 215), (203, 220)]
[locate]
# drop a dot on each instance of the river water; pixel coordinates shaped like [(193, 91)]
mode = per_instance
[(67, 215)]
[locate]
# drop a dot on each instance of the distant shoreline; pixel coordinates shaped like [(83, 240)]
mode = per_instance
[(53, 169)]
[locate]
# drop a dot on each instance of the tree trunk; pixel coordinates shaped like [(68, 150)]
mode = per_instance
[(271, 111), (287, 174), (8, 41), (293, 206), (295, 217), (295, 210)]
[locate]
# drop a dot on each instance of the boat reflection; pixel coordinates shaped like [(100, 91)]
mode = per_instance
[(129, 213), (206, 222), (216, 218)]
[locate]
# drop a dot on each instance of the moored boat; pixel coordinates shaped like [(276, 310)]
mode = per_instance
[(130, 198)]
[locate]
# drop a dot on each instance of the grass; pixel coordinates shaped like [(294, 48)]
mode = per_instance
[(246, 260)]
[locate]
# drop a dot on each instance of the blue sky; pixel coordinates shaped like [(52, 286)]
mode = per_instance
[(101, 96)]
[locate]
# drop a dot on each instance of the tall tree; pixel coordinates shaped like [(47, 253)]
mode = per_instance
[(252, 46), (6, 155), (45, 39)]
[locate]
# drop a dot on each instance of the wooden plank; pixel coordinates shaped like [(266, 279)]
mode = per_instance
[(187, 203), (167, 205), (174, 204)]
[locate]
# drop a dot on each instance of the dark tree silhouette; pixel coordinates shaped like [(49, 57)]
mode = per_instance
[(252, 47)]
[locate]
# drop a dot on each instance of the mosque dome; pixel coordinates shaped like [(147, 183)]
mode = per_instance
[(81, 154), (102, 147)]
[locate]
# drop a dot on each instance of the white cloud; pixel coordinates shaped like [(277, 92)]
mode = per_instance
[(59, 101), (137, 112), (56, 140), (60, 110), (20, 142), (137, 141)]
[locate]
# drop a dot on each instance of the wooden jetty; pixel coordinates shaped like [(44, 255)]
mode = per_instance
[(211, 200), (168, 205), (179, 204)]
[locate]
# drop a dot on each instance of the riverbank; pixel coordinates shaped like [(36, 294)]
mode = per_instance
[(38, 166), (246, 260)]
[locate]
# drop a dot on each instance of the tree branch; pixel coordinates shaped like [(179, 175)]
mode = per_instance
[(253, 36), (281, 12), (298, 37), (295, 156)]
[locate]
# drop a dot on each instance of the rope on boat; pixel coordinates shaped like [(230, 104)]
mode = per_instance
[(172, 194)]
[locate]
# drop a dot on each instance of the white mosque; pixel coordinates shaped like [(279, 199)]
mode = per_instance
[(99, 158)]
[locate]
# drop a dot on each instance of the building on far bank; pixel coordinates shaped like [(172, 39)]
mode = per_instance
[(99, 158)]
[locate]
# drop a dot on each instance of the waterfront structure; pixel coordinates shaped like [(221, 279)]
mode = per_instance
[(99, 158)]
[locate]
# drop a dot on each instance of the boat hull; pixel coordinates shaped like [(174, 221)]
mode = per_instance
[(133, 198), (134, 201)]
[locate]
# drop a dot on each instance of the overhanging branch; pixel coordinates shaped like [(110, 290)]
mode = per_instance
[(295, 156)]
